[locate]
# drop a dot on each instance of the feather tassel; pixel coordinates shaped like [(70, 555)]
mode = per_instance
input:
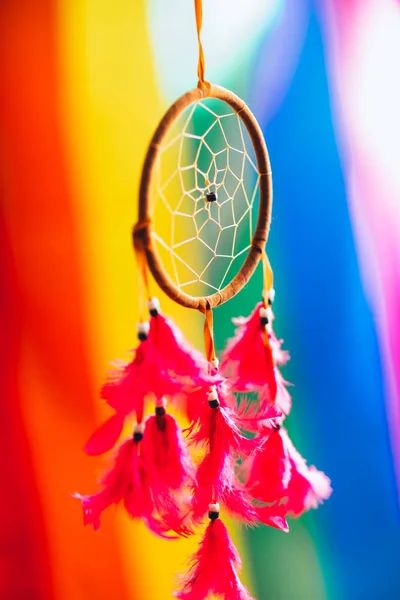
[(214, 566), (308, 487), (164, 364), (118, 483), (129, 383), (214, 423), (248, 357), (177, 354), (126, 389), (216, 429), (128, 483), (251, 359), (165, 453), (270, 471), (278, 473), (170, 470)]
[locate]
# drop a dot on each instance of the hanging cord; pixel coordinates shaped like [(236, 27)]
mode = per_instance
[(210, 354), (268, 278), (208, 332), (143, 280), (206, 310), (268, 282), (201, 65)]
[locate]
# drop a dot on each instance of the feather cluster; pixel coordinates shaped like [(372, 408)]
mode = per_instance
[(214, 568), (235, 451), (278, 473)]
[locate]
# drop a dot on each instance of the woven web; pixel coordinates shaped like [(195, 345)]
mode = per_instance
[(203, 244)]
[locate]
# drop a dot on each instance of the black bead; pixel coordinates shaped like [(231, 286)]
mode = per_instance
[(137, 436), (269, 301), (154, 312), (160, 411), (211, 196), (213, 403), (213, 515), (161, 422), (142, 336), (264, 321)]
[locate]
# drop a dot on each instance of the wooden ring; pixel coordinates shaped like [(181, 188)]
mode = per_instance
[(143, 230)]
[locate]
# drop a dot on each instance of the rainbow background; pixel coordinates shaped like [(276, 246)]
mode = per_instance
[(83, 84)]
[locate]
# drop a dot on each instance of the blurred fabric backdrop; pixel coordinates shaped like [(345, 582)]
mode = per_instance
[(83, 85)]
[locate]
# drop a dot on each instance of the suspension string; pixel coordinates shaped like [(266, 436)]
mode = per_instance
[(268, 277), (208, 333), (143, 280), (201, 65)]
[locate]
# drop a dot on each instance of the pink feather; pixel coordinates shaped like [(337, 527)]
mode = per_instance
[(93, 505), (177, 354), (193, 403), (270, 516), (278, 473), (248, 357), (216, 427), (117, 483), (270, 471), (160, 367), (165, 454), (213, 477), (217, 481), (213, 569), (281, 357), (129, 383), (251, 417), (106, 436), (239, 503), (283, 401), (195, 399), (308, 487), (126, 389), (127, 482)]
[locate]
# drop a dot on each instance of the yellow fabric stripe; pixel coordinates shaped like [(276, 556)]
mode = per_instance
[(111, 106)]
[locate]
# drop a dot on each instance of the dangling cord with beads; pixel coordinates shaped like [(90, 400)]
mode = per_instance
[(268, 280), (143, 280), (214, 404), (267, 296), (212, 396)]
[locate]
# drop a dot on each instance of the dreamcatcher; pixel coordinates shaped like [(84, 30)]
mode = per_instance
[(206, 180)]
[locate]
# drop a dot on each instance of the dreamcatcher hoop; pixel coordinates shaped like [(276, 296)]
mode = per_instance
[(143, 232)]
